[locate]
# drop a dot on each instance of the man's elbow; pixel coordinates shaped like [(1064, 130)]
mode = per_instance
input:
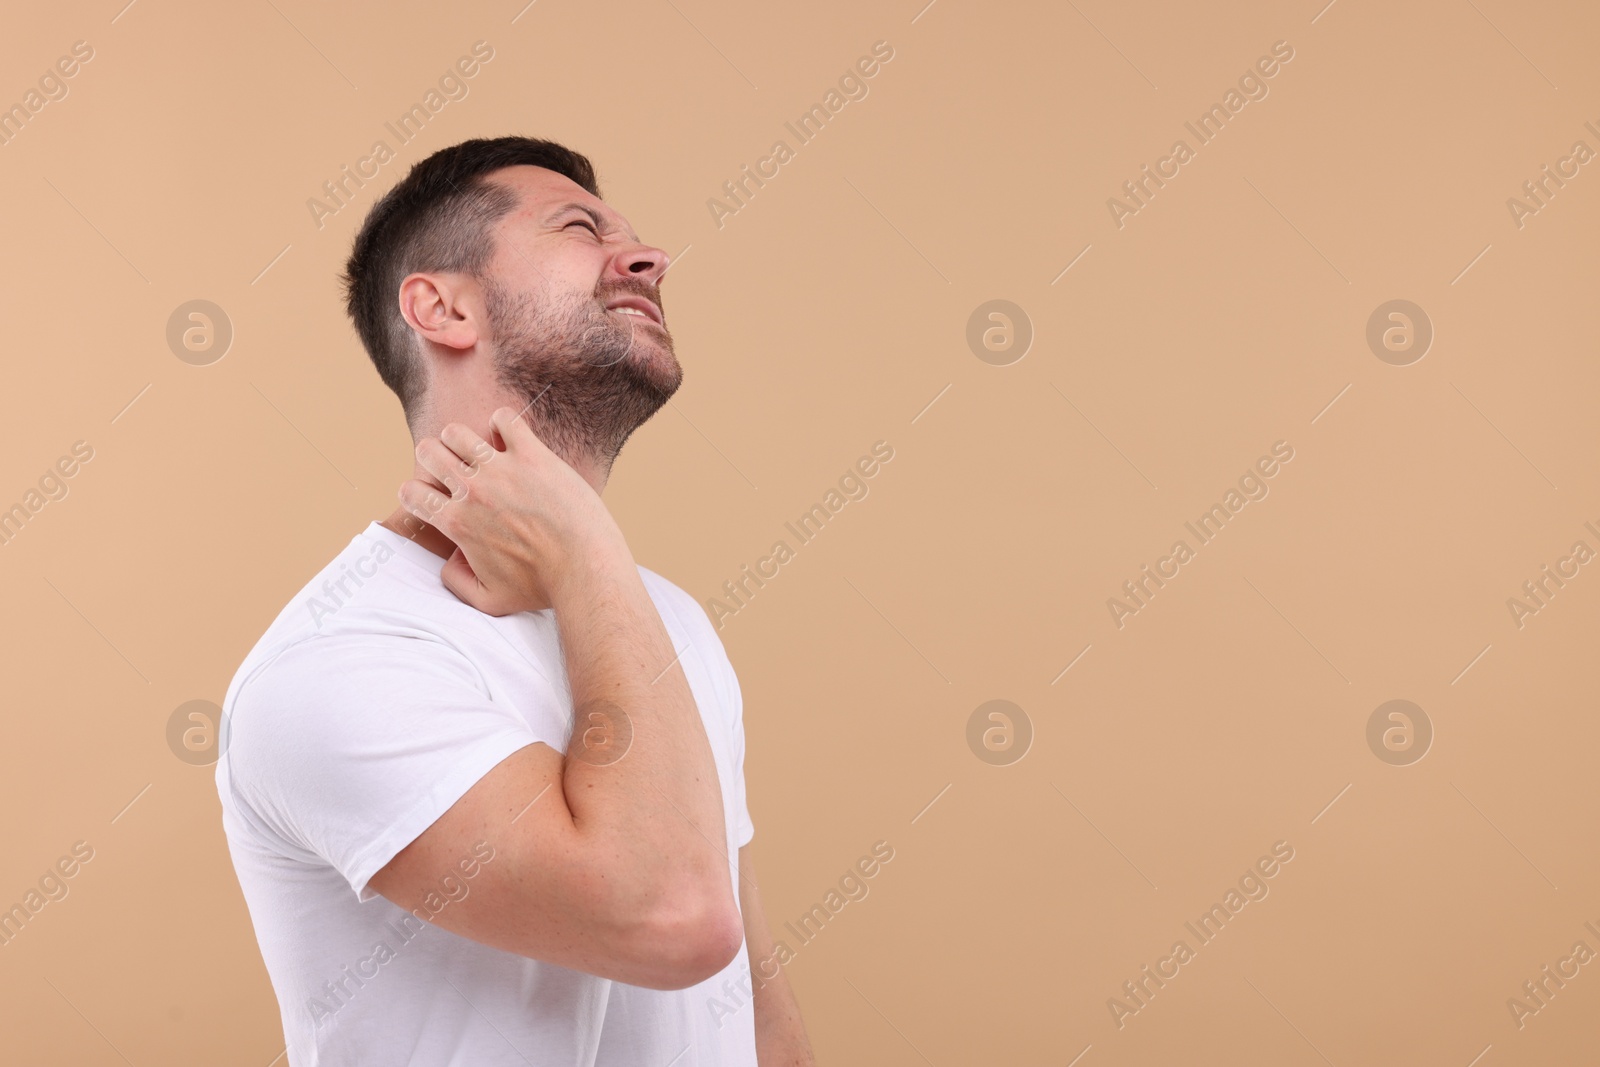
[(688, 946)]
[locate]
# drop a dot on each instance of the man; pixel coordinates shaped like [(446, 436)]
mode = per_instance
[(483, 784)]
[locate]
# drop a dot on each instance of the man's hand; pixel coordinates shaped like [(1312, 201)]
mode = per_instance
[(520, 516)]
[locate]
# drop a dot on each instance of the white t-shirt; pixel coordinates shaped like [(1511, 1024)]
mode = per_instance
[(372, 703)]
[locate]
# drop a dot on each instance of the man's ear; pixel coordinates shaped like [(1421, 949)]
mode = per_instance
[(442, 308)]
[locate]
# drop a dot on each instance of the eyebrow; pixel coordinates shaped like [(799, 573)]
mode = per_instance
[(599, 220)]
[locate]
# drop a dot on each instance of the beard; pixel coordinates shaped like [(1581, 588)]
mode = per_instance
[(587, 377)]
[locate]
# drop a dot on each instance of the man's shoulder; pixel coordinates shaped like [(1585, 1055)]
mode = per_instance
[(371, 629), (377, 588)]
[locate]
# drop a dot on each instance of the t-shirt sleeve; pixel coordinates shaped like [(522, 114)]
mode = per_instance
[(351, 746)]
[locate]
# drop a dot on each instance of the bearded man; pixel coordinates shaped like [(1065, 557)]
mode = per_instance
[(483, 782)]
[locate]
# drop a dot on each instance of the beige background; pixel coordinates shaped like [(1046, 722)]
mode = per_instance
[(826, 315)]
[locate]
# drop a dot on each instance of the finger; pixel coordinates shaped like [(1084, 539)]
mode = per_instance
[(514, 430), (444, 465), (458, 577), (426, 502), (473, 450), (412, 527)]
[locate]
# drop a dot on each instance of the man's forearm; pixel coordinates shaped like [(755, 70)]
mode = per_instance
[(781, 1039), (639, 773), (780, 1032)]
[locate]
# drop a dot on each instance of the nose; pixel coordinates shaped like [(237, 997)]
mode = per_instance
[(641, 263)]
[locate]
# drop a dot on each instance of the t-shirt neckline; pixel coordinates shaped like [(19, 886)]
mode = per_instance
[(406, 547)]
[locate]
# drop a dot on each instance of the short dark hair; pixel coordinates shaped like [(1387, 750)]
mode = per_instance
[(436, 219)]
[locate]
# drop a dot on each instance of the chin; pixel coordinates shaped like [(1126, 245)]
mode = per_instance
[(659, 356), (666, 375)]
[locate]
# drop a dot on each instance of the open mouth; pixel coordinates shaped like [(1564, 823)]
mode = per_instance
[(637, 307), (635, 313)]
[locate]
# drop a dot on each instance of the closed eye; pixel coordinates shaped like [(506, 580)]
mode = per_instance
[(585, 223)]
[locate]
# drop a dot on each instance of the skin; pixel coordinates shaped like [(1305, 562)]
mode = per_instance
[(604, 856), (781, 1039)]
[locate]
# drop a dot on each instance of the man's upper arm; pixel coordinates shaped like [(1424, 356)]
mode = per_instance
[(546, 892), (386, 757), (540, 893), (389, 759)]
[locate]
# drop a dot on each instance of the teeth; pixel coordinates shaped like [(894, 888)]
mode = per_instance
[(630, 311)]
